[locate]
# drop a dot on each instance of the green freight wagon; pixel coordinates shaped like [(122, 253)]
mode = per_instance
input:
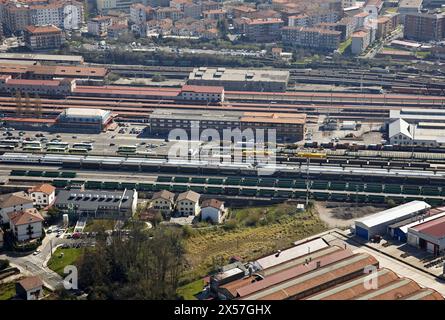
[(233, 181), (415, 190), (300, 184), (35, 173), (199, 189), (248, 192), (164, 179), (431, 191), (217, 181), (179, 188), (266, 192), (249, 182), (198, 180), (128, 185), (111, 185), (321, 196), (60, 183), (51, 174), (267, 182), (93, 184), (145, 187), (285, 183), (374, 187), (68, 174), (18, 172), (392, 188), (215, 190), (232, 191), (353, 186), (340, 186), (284, 194), (181, 179)]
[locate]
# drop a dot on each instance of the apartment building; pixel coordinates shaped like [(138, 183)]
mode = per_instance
[(312, 19), (98, 26), (424, 27), (43, 37), (263, 30), (17, 18), (319, 38), (47, 14), (409, 7), (168, 13), (360, 41)]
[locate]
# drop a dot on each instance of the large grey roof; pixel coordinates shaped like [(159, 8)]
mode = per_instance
[(90, 200)]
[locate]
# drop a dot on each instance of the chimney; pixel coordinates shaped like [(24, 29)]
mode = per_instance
[(318, 264)]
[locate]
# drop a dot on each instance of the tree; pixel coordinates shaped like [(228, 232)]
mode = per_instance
[(137, 267)]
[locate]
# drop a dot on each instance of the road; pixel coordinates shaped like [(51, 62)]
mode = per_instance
[(36, 264)]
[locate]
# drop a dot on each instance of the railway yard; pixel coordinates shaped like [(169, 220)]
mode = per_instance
[(356, 165)]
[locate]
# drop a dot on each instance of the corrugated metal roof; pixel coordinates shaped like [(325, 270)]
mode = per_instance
[(395, 213)]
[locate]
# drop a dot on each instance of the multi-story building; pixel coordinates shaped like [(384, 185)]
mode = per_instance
[(13, 202), (348, 3), (103, 6), (164, 201), (313, 19), (287, 126), (202, 93), (47, 14), (218, 14), (424, 27), (26, 224), (43, 195), (263, 30), (43, 37), (84, 120), (17, 17), (168, 12), (187, 203), (384, 26), (346, 26), (42, 87), (409, 7), (318, 38), (360, 41), (98, 26)]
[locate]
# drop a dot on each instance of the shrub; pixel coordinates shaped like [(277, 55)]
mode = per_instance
[(4, 263)]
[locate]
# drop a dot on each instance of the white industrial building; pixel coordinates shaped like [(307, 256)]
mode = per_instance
[(429, 235), (378, 223), (427, 134)]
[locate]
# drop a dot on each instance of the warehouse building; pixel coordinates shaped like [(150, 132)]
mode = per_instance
[(43, 58), (22, 71), (202, 93), (83, 120), (399, 231), (97, 203), (417, 115), (240, 80), (429, 236), (288, 126), (377, 224)]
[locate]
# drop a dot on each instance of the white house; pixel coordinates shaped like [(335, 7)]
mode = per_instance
[(212, 209), (42, 195), (26, 224), (29, 288), (164, 201), (13, 202), (187, 203)]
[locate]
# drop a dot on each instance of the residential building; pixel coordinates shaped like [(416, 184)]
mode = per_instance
[(213, 210), (17, 17), (263, 30), (47, 14), (314, 18), (409, 7), (98, 26), (424, 27), (168, 13), (384, 27), (26, 224), (360, 41), (240, 79), (43, 37), (242, 11), (103, 6), (361, 19), (97, 203), (43, 195), (318, 38), (346, 26), (116, 30), (164, 201), (187, 203), (14, 202), (373, 7), (348, 3), (29, 288), (218, 14)]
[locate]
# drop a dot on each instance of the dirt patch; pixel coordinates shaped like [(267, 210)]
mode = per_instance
[(342, 215)]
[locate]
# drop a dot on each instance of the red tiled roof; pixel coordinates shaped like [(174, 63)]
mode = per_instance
[(202, 89), (30, 283), (43, 29), (26, 216), (52, 83), (44, 188)]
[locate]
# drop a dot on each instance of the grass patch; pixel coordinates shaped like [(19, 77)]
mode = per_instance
[(189, 291), (58, 263), (344, 45), (207, 249), (422, 54), (7, 290), (96, 225)]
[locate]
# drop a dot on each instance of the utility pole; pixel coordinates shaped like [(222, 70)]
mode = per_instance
[(307, 180)]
